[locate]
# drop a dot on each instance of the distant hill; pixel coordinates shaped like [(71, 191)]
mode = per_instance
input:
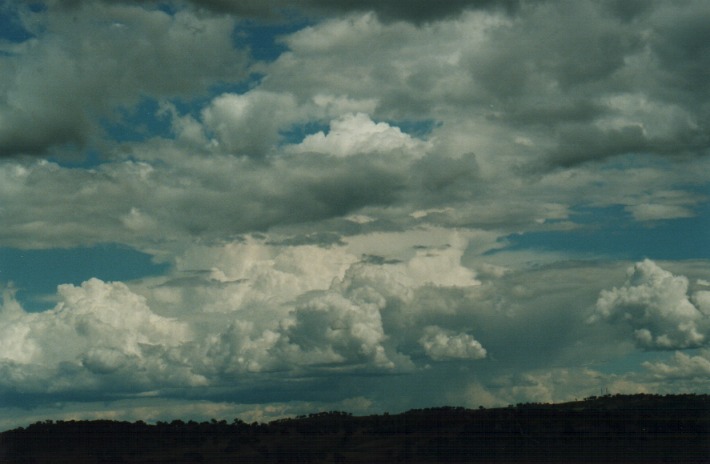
[(619, 428)]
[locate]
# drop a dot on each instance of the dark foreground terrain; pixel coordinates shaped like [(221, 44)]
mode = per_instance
[(620, 428)]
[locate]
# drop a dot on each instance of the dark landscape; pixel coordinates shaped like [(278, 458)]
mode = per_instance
[(619, 428)]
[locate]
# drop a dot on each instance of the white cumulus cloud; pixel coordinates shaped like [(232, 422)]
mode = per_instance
[(682, 366), (356, 133), (331, 328), (656, 305), (97, 328), (440, 344)]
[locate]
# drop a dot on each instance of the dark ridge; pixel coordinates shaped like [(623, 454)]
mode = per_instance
[(619, 428)]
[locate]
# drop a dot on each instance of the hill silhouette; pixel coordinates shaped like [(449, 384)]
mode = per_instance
[(619, 428)]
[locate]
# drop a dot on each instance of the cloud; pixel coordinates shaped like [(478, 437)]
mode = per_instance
[(592, 87), (678, 44), (255, 320), (586, 89), (486, 136), (682, 366), (414, 78), (100, 58), (333, 329), (148, 196), (340, 227), (304, 305), (650, 212), (239, 275), (413, 10), (249, 124), (583, 143), (441, 345), (655, 304), (99, 336), (355, 134), (345, 325)]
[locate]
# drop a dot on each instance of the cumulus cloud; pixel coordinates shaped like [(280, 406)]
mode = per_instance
[(379, 312), (333, 329), (249, 124), (376, 314), (355, 134), (411, 79), (100, 335), (587, 89), (441, 344), (303, 305), (656, 305), (237, 317), (254, 308), (701, 300), (389, 71), (345, 324), (238, 350), (239, 275), (682, 366)]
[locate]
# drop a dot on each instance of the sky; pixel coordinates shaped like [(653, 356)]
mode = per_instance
[(259, 209)]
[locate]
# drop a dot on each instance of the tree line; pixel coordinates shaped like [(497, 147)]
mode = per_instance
[(618, 428)]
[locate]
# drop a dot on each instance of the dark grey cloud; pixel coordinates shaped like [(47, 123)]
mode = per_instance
[(629, 10), (570, 46), (564, 69), (521, 309), (250, 195), (291, 192), (581, 143), (417, 11), (86, 63), (551, 113), (26, 134), (680, 42), (414, 10), (438, 174)]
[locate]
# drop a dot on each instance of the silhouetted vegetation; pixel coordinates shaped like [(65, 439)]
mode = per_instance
[(620, 428)]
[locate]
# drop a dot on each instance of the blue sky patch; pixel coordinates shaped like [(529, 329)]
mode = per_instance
[(36, 273), (420, 129), (137, 123), (613, 232), (263, 39), (297, 132), (11, 27), (87, 159)]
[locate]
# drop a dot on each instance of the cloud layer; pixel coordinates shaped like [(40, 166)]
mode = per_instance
[(404, 201)]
